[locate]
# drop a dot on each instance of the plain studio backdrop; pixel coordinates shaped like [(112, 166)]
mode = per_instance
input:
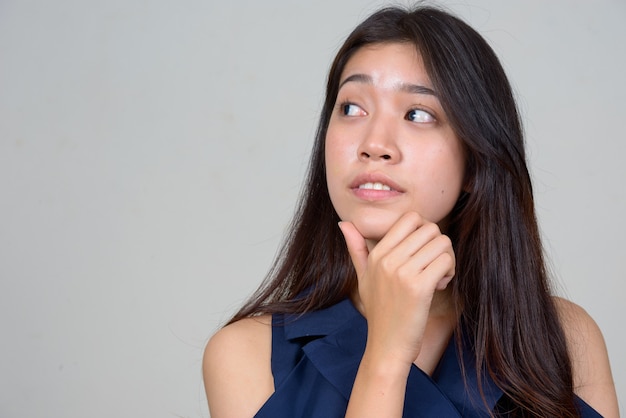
[(151, 152)]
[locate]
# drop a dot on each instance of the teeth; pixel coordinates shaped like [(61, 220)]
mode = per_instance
[(374, 186)]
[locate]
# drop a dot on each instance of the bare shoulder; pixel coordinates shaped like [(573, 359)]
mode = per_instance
[(593, 381), (237, 368)]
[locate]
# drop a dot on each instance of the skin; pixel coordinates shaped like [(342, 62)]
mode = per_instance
[(389, 127), (383, 131)]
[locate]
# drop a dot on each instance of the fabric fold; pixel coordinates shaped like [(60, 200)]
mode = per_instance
[(316, 356)]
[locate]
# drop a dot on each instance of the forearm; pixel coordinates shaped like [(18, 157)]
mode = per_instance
[(379, 389)]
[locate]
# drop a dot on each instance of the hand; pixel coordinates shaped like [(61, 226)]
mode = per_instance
[(396, 284)]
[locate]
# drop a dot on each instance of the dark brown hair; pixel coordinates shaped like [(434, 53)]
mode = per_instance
[(501, 287)]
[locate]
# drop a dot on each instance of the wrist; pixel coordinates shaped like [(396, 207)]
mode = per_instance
[(385, 368)]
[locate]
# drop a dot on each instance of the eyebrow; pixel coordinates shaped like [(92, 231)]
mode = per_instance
[(404, 87)]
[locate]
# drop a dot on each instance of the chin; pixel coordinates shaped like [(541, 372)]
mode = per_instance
[(375, 227)]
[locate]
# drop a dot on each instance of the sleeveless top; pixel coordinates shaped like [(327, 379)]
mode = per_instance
[(315, 358)]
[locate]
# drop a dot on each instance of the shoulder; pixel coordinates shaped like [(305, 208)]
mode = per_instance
[(593, 381), (237, 368)]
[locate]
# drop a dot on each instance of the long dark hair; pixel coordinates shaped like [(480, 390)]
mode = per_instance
[(501, 288)]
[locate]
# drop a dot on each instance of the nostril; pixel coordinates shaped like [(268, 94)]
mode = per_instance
[(385, 157), (365, 155)]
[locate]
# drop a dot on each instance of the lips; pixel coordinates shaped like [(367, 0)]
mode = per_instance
[(375, 182), (375, 187)]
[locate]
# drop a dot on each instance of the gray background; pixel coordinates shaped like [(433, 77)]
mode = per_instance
[(151, 152)]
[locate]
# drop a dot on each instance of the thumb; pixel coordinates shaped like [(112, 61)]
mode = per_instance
[(356, 246)]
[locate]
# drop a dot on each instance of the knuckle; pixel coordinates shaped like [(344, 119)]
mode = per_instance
[(387, 265), (444, 241), (432, 229), (447, 259), (405, 274), (414, 218)]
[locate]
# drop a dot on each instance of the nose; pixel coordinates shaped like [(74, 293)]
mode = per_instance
[(380, 142)]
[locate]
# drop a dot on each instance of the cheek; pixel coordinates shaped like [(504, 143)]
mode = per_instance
[(452, 180), (458, 168), (330, 154), (337, 159), (439, 182), (333, 164), (337, 153), (449, 163)]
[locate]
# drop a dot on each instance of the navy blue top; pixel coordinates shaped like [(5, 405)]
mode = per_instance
[(315, 358)]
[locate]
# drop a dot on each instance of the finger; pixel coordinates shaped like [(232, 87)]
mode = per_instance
[(399, 231), (438, 249), (357, 247), (436, 276), (441, 270), (414, 242)]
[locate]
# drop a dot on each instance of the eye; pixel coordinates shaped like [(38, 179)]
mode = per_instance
[(350, 109), (419, 116)]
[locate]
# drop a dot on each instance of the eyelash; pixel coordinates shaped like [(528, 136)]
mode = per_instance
[(430, 115), (342, 107)]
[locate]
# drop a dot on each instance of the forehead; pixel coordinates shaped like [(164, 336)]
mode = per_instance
[(388, 62)]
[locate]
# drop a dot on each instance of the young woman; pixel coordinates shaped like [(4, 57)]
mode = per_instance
[(412, 282)]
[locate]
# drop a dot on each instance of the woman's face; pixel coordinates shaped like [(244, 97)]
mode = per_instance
[(389, 147)]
